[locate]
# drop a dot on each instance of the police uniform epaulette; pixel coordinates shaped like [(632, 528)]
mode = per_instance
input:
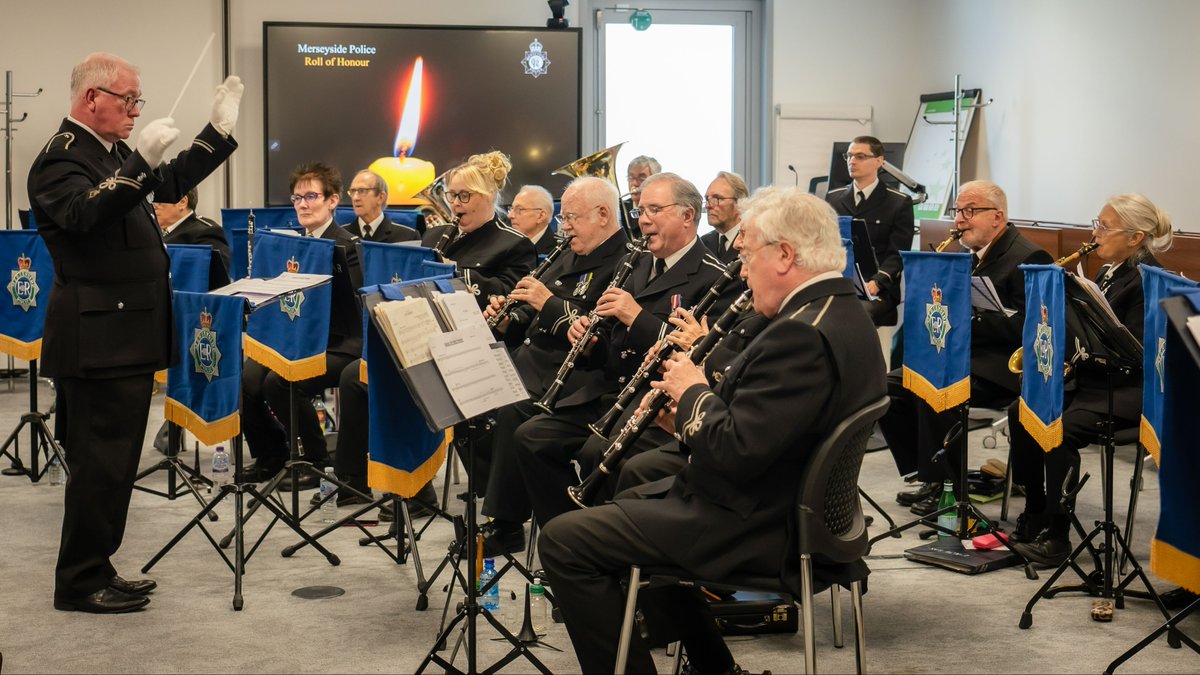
[(61, 141), (844, 187)]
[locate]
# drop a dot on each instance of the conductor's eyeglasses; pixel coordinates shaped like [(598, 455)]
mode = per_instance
[(131, 103), (858, 156), (464, 196), (308, 197), (969, 212)]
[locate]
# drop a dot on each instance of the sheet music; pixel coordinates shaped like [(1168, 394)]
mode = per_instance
[(1097, 297), (984, 296), (261, 291), (462, 313), (860, 284), (473, 373), (409, 325)]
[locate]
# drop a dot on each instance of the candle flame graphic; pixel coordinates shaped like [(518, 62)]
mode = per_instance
[(410, 118)]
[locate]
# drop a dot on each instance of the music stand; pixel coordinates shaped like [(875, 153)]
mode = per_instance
[(40, 436), (1110, 346), (432, 394)]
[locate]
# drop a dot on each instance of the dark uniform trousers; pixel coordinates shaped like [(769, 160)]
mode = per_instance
[(1031, 464), (350, 462)]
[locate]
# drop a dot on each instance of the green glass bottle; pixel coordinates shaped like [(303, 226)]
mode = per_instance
[(948, 520)]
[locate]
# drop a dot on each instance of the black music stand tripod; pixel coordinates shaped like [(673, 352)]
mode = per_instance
[(40, 437), (177, 470)]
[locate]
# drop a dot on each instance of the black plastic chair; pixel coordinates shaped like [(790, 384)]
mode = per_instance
[(830, 531)]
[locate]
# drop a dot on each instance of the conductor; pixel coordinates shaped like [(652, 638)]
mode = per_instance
[(108, 327)]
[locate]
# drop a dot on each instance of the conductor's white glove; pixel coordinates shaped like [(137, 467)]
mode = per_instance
[(226, 103), (155, 138)]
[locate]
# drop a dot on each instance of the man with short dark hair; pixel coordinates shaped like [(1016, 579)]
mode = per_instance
[(888, 214), (181, 225), (368, 195)]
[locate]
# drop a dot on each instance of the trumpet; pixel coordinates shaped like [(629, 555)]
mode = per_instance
[(550, 398), (504, 310), (955, 235), (585, 492), (665, 348), (1016, 361)]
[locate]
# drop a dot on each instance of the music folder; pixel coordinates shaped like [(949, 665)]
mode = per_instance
[(864, 252)]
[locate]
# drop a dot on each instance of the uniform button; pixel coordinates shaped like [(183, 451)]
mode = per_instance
[(526, 340), (621, 379), (558, 283), (120, 305)]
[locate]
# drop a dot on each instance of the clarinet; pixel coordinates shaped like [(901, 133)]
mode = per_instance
[(585, 492), (550, 398), (504, 310), (603, 426), (448, 238), (249, 243)]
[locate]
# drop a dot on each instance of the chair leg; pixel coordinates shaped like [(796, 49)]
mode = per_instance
[(1135, 488), (860, 632), (806, 611), (835, 600), (635, 580)]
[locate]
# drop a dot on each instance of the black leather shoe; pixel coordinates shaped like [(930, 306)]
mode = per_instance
[(920, 494), (1047, 550), (1177, 598), (104, 601), (348, 499), (305, 481), (259, 472), (500, 541), (138, 587), (1029, 526), (926, 506)]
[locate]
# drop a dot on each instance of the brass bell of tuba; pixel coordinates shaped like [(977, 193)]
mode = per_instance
[(602, 165), (435, 206)]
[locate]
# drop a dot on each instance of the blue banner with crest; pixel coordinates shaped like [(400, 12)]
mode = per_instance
[(392, 263), (937, 327), (1043, 346), (1157, 285), (30, 275), (204, 387)]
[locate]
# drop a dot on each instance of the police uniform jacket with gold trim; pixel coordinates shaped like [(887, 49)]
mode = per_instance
[(577, 282), (110, 308), (621, 348), (994, 337), (750, 435), (888, 214), (491, 260)]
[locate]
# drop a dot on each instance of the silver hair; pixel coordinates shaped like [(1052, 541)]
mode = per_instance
[(380, 183), (1139, 214), (806, 222), (740, 190), (541, 196), (647, 161), (98, 69), (683, 193), (600, 191), (989, 191)]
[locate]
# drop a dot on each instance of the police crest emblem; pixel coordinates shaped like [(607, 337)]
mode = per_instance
[(937, 319), (290, 303), (1043, 346), (23, 284), (537, 60), (204, 351)]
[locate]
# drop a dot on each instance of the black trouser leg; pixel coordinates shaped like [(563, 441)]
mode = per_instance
[(354, 417)]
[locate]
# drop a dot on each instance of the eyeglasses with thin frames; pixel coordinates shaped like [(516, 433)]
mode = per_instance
[(307, 197), (746, 253), (858, 156), (464, 196), (131, 103), (570, 218), (1100, 227), (522, 210), (715, 200), (651, 209), (969, 212), (354, 192)]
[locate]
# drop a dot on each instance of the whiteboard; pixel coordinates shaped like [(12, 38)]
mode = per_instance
[(805, 134), (929, 158)]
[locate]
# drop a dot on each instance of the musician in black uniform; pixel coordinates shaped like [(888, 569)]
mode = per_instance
[(368, 195), (750, 435), (181, 225), (912, 429), (266, 396), (548, 306), (889, 217), (530, 214), (639, 169), (490, 255), (1129, 230), (721, 207), (108, 327), (676, 271)]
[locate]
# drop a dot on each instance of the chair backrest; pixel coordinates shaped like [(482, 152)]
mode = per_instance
[(828, 511)]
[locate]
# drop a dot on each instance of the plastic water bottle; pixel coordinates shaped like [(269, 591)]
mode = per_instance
[(538, 606), (220, 467), (329, 507), (947, 520), (55, 471), (491, 598)]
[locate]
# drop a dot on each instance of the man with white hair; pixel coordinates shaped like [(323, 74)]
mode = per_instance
[(108, 328), (530, 215), (816, 362)]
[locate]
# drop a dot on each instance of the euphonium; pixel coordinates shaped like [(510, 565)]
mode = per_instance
[(434, 196), (585, 492), (624, 269), (504, 310), (1016, 362), (665, 348), (955, 235), (602, 165)]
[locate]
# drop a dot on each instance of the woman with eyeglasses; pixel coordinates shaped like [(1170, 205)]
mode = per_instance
[(1129, 231), (491, 256)]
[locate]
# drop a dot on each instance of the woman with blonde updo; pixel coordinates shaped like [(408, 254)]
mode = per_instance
[(1129, 230), (490, 255)]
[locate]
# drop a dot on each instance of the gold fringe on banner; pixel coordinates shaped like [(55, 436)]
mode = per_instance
[(938, 399), (208, 433), (390, 479), (26, 351), (292, 371), (362, 371), (1049, 436), (1149, 439), (160, 377), (1174, 565)]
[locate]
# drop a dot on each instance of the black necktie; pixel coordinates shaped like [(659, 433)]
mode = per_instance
[(858, 199), (974, 261), (723, 246), (113, 151), (660, 266), (366, 231)]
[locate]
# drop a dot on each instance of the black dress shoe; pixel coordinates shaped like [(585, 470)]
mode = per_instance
[(104, 601), (1047, 550), (348, 499), (1177, 598), (920, 494), (507, 540), (306, 481), (1029, 526), (926, 506), (259, 472), (138, 587)]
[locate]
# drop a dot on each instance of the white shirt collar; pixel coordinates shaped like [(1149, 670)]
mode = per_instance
[(374, 224), (538, 237), (731, 234), (867, 190), (171, 228), (820, 277), (107, 145), (674, 257), (321, 230)]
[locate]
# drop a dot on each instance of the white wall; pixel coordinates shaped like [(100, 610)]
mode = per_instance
[(1091, 97)]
